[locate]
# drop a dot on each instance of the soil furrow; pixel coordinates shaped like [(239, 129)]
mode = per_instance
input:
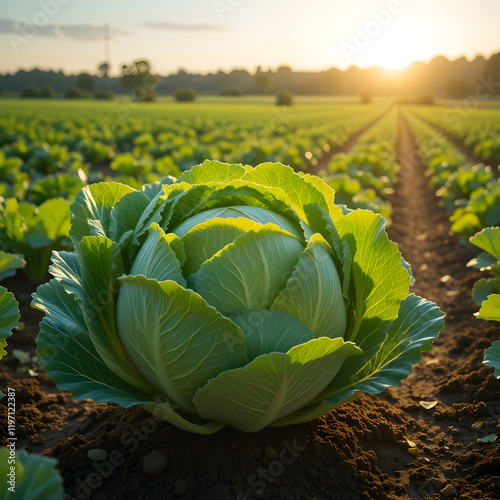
[(452, 374)]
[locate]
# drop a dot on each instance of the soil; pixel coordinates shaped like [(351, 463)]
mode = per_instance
[(358, 451)]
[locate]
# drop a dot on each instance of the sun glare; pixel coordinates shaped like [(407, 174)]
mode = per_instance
[(399, 45)]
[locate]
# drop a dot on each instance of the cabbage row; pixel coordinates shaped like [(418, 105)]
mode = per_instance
[(476, 128), (473, 194), (48, 155), (363, 178), (470, 192)]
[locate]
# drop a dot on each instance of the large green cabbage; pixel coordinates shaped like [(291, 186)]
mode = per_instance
[(233, 295)]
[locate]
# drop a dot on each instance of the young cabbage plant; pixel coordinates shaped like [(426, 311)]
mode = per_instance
[(34, 232), (231, 296), (486, 291), (9, 316), (34, 477), (10, 263)]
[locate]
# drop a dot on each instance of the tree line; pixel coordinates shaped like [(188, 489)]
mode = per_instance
[(440, 77)]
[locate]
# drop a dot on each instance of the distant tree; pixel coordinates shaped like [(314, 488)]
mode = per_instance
[(284, 98), (456, 88), (84, 81), (492, 73), (365, 99), (48, 92), (263, 81), (77, 93), (103, 69), (137, 79), (185, 95), (104, 95), (30, 91)]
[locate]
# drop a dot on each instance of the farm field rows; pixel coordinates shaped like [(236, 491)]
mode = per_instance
[(377, 157)]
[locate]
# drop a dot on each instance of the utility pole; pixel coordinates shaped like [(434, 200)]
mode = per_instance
[(106, 43)]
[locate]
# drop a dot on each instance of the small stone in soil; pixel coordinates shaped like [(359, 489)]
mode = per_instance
[(413, 452), (154, 463), (97, 455), (448, 491), (455, 432)]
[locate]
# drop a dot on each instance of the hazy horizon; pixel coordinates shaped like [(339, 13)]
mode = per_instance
[(207, 36)]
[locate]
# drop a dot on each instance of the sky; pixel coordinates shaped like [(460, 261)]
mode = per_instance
[(207, 35)]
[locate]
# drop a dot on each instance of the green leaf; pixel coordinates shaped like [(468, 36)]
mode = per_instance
[(490, 438), (204, 240), (37, 477), (238, 195), (488, 240), (126, 214), (321, 222), (156, 259), (270, 331), (55, 217), (483, 288), (250, 272), (490, 308), (68, 355), (378, 279), (484, 262), (97, 298), (175, 338), (417, 326), (492, 357), (9, 262), (256, 214), (333, 210), (272, 385), (71, 360), (313, 293), (95, 202), (9, 316), (212, 171), (298, 190)]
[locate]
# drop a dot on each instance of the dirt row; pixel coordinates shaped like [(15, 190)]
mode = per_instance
[(359, 451)]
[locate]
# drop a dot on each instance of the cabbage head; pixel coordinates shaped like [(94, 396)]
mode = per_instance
[(231, 296)]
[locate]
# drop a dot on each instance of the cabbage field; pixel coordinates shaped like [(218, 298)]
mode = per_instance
[(228, 299)]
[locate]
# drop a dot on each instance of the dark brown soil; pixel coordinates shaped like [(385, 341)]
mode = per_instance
[(359, 451)]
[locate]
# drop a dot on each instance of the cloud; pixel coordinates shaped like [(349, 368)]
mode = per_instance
[(85, 32), (89, 31), (168, 26)]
